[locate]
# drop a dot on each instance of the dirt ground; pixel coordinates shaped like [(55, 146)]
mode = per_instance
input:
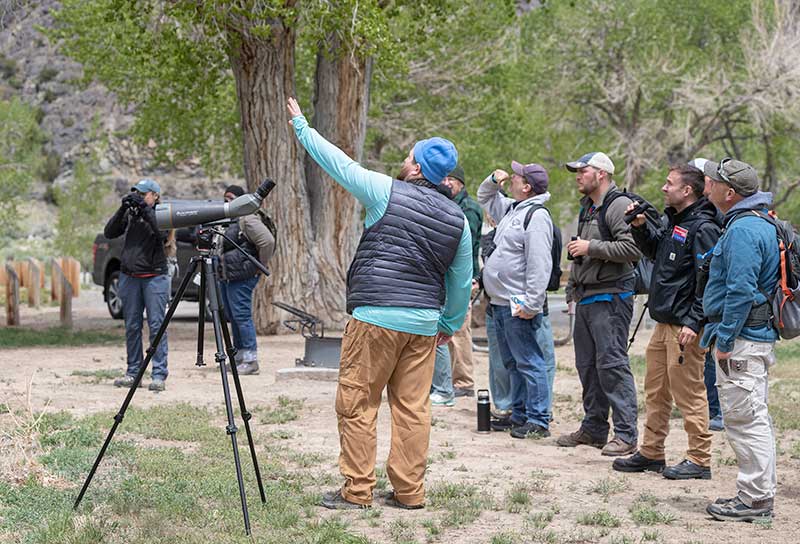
[(493, 462)]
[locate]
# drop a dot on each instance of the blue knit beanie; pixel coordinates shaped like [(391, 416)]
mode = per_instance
[(437, 157)]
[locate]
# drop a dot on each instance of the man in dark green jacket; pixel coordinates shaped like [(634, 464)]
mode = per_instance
[(453, 370)]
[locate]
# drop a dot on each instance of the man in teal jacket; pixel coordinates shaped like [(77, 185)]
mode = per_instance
[(740, 333), (407, 289)]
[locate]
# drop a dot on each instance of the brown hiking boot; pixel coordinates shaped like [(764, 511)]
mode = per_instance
[(618, 447), (579, 438)]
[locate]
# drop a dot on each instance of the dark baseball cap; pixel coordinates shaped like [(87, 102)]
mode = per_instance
[(457, 173), (742, 177), (534, 174)]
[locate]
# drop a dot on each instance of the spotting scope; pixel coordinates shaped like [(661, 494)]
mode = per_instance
[(175, 214)]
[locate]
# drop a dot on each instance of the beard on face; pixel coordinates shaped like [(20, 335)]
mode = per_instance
[(587, 187)]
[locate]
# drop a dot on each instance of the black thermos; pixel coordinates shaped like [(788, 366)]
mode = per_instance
[(569, 255), (483, 411)]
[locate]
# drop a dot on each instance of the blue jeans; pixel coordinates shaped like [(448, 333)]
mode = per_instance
[(710, 378), (544, 337), (237, 299), (499, 379), (442, 373), (139, 295), (525, 363)]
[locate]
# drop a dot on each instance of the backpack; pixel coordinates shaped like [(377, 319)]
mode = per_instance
[(786, 299), (488, 246), (269, 223), (643, 270), (554, 284)]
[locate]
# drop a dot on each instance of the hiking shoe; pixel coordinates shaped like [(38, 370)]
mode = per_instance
[(579, 438), (618, 447), (335, 501), (736, 510), (157, 385), (390, 499), (503, 424), (126, 381), (462, 392), (530, 430), (638, 463), (437, 399), (687, 470), (716, 424), (243, 369)]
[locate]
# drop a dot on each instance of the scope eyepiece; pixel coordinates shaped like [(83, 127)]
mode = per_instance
[(266, 186)]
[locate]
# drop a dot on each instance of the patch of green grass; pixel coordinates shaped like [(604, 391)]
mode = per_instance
[(505, 538), (602, 518), (101, 375), (432, 527), (381, 479), (463, 502), (643, 511), (284, 411), (651, 536), (784, 395), (638, 365), (402, 532), (518, 498), (622, 539), (609, 486), (540, 520), (17, 337)]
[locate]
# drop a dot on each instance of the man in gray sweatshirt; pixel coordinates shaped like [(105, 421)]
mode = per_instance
[(515, 277)]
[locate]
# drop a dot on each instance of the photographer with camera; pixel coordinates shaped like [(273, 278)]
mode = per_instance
[(675, 361), (239, 277), (144, 282)]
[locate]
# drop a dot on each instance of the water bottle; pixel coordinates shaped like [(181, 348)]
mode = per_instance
[(483, 411)]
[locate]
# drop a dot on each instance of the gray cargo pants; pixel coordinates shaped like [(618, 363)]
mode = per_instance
[(743, 385), (600, 338)]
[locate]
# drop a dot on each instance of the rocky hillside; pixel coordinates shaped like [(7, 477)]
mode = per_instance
[(75, 117)]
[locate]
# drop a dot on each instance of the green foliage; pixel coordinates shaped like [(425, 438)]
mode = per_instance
[(20, 158), (82, 210), (17, 337)]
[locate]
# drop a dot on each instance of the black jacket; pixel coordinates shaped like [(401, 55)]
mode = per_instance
[(143, 251), (675, 248)]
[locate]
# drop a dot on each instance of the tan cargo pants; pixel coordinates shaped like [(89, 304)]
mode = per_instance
[(460, 346), (373, 358), (666, 379), (743, 388)]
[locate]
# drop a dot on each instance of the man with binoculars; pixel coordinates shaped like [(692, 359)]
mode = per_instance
[(144, 284)]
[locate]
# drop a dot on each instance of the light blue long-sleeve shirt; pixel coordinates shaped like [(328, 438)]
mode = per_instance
[(372, 190)]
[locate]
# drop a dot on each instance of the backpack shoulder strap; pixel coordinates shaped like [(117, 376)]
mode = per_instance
[(529, 214), (605, 232)]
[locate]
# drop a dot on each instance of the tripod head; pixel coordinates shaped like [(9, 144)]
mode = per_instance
[(207, 242)]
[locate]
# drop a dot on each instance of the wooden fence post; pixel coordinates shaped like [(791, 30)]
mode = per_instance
[(34, 285), (65, 290), (55, 279), (12, 296)]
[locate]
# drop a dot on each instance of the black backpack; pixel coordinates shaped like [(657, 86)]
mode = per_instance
[(488, 246), (643, 270)]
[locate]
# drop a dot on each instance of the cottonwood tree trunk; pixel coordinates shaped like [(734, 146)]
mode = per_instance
[(317, 220)]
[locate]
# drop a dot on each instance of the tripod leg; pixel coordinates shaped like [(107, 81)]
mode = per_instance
[(636, 328), (150, 352), (246, 416), (201, 317), (220, 358)]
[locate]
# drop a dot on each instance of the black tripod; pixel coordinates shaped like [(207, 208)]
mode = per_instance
[(206, 244)]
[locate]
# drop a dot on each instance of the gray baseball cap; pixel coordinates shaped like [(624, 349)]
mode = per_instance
[(742, 177), (597, 159)]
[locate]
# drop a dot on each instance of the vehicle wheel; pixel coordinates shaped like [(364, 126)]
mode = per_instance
[(113, 301)]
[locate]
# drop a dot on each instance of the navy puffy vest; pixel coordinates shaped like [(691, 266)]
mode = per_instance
[(401, 259)]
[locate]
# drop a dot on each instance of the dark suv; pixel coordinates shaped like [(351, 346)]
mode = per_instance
[(106, 254)]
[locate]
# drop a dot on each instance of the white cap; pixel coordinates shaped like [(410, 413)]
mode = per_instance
[(698, 163), (597, 159)]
